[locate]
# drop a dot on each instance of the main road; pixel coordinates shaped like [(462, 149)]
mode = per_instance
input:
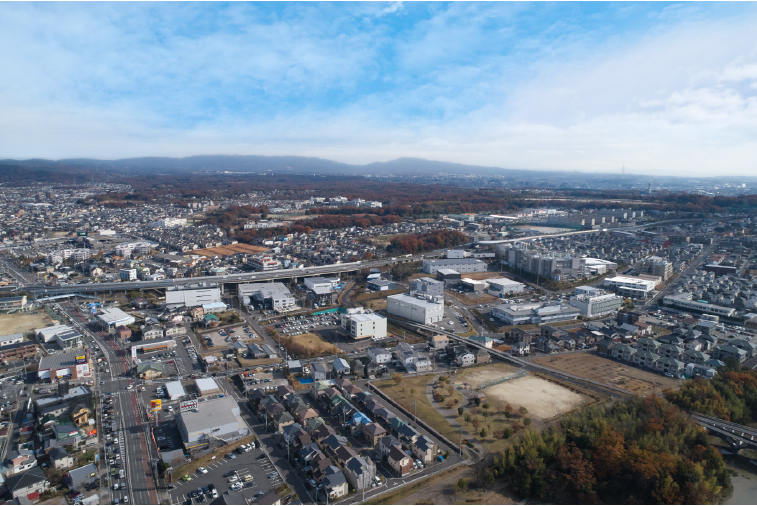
[(129, 415)]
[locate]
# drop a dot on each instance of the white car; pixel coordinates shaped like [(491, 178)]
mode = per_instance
[(202, 470)]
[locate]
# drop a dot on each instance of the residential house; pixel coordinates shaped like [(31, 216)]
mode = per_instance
[(669, 365), (425, 449), (335, 484), (399, 461), (670, 351), (359, 472), (320, 372), (60, 459), (645, 359), (26, 487), (373, 432), (341, 367)]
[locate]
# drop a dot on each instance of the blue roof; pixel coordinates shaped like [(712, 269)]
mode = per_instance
[(360, 418)]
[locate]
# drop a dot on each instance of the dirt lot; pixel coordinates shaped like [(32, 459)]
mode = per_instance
[(542, 398), (472, 298), (229, 250), (314, 342), (477, 375), (13, 323), (607, 371)]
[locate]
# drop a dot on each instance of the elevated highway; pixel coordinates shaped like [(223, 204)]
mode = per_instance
[(738, 436)]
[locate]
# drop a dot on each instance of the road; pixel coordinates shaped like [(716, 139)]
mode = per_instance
[(137, 458), (706, 252)]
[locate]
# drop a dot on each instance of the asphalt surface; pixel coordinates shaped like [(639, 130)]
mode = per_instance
[(136, 457)]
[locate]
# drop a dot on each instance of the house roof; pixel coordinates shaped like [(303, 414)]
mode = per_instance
[(26, 479)]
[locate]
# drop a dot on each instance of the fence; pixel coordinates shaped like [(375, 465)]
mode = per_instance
[(491, 383)]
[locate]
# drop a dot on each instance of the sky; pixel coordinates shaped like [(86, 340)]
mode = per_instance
[(657, 88)]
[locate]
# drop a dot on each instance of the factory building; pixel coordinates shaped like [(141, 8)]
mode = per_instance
[(193, 295), (415, 309), (427, 286), (269, 295), (461, 265)]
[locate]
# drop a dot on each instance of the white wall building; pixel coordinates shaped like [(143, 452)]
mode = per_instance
[(630, 286), (193, 295), (127, 274), (501, 287), (592, 306), (414, 309)]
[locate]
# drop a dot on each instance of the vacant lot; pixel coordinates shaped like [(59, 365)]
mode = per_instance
[(314, 342), (542, 398), (477, 375), (609, 372), (14, 323), (229, 250)]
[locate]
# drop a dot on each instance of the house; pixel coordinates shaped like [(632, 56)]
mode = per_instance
[(724, 351), (309, 452), (385, 443), (306, 414), (670, 351), (359, 472), (82, 475), (521, 349), (281, 420), (21, 459), (318, 388), (645, 359), (407, 434), (622, 352), (646, 344), (373, 369), (341, 367), (425, 449), (372, 432), (695, 357), (351, 391), (331, 444), (320, 372), (174, 329), (482, 356), (290, 431), (399, 461), (745, 345), (335, 483), (343, 454), (379, 355), (123, 332), (60, 459), (26, 487), (466, 359), (438, 342), (669, 365), (152, 332)]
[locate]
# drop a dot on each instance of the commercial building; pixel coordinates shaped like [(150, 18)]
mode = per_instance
[(415, 309), (63, 335), (7, 303), (321, 290), (656, 266), (11, 339), (361, 324), (114, 317), (684, 301), (598, 304), (473, 285), (524, 314), (550, 264), (207, 387), (461, 265), (630, 286), (216, 419), (175, 390), (427, 286), (193, 295), (18, 350), (269, 295), (72, 365), (502, 287), (264, 263)]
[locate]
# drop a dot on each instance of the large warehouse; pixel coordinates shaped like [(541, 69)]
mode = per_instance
[(193, 295), (461, 265), (213, 419), (74, 365), (416, 309), (499, 287)]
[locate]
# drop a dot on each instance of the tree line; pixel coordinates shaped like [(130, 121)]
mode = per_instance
[(642, 451), (427, 241)]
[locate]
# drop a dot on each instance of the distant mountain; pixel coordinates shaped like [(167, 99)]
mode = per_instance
[(47, 170)]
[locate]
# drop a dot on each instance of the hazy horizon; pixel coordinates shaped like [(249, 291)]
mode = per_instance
[(660, 88)]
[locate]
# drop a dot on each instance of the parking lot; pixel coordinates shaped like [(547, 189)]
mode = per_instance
[(296, 325), (223, 472)]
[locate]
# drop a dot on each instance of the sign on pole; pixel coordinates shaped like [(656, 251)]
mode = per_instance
[(155, 405), (169, 476)]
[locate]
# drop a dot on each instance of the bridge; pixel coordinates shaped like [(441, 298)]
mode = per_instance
[(738, 436)]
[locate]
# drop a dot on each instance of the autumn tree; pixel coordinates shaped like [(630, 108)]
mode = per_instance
[(397, 377)]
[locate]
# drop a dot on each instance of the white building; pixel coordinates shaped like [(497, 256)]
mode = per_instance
[(127, 274), (600, 304), (538, 313), (270, 295), (499, 287), (168, 223), (630, 286), (193, 295), (264, 263), (456, 253), (461, 265), (114, 317), (419, 310), (379, 355), (213, 420), (361, 326)]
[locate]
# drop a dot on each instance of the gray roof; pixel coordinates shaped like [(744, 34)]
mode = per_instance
[(210, 414), (82, 474), (59, 361)]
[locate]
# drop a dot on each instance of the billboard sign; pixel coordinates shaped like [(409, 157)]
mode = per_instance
[(81, 359), (82, 234), (155, 405), (169, 476), (188, 405)]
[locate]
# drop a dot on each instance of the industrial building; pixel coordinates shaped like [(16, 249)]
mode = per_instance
[(524, 314), (216, 419), (427, 286), (207, 387), (321, 290), (361, 324), (461, 265), (193, 295), (110, 318), (550, 264), (501, 287), (269, 295), (72, 365), (419, 310), (450, 277)]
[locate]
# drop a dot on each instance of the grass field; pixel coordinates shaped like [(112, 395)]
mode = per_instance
[(314, 342), (251, 362), (609, 372), (229, 250), (14, 323)]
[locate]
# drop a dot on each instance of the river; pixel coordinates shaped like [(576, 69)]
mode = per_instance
[(745, 483)]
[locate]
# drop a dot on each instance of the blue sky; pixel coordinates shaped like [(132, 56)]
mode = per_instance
[(657, 87)]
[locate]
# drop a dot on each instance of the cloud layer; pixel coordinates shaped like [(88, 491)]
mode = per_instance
[(659, 88)]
